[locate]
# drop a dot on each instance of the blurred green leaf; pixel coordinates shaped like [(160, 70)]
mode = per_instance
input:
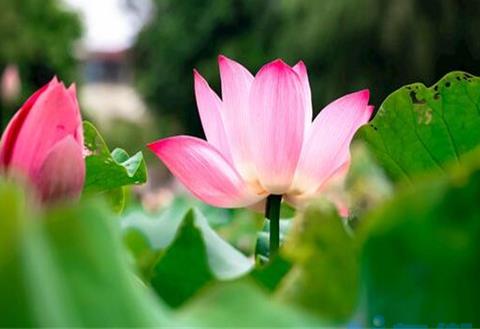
[(14, 296), (109, 172), (183, 252), (323, 279), (149, 235), (116, 199), (241, 228), (184, 268), (287, 210), (366, 185), (420, 260), (241, 304), (421, 129), (67, 268), (159, 230), (270, 275)]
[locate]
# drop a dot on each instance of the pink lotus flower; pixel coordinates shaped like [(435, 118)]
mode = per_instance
[(261, 138), (44, 143)]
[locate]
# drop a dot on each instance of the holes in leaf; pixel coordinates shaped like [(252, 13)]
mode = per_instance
[(415, 100)]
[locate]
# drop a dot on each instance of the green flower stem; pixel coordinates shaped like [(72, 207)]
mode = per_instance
[(272, 212)]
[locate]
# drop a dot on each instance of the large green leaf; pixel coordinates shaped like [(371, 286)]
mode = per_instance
[(323, 279), (109, 172), (67, 268), (241, 304), (180, 253), (421, 253), (418, 128)]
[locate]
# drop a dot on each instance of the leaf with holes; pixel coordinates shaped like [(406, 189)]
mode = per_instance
[(421, 129)]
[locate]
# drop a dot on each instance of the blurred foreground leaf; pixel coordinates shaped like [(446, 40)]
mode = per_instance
[(241, 304), (323, 279), (366, 185), (180, 253), (421, 252), (421, 129), (67, 268), (270, 275), (110, 172)]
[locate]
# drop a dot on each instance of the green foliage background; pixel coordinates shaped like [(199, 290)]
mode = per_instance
[(39, 37), (346, 44)]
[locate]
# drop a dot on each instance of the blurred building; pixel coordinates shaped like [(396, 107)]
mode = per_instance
[(106, 93)]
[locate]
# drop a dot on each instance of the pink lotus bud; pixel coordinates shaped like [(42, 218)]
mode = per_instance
[(44, 143)]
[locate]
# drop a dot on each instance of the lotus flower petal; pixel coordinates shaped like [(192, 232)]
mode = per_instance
[(301, 70), (236, 83), (62, 174), (72, 91), (327, 147), (277, 124), (331, 190), (12, 130), (204, 171), (210, 107)]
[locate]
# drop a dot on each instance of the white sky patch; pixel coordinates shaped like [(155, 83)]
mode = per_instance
[(109, 25)]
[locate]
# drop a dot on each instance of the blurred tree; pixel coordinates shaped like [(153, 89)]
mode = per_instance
[(187, 34), (376, 44), (38, 36), (346, 44)]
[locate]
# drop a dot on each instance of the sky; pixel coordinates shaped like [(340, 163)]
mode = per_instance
[(109, 25)]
